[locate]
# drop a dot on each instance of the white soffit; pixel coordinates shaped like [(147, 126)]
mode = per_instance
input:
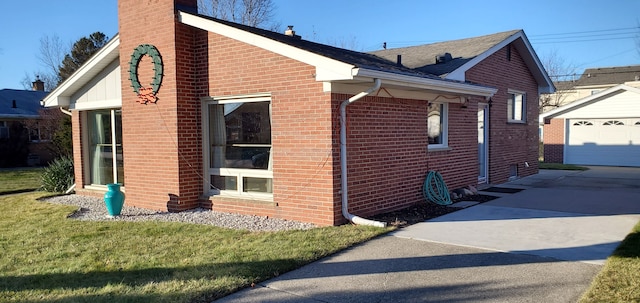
[(61, 96)]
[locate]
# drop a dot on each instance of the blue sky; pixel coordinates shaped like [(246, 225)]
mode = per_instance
[(587, 33)]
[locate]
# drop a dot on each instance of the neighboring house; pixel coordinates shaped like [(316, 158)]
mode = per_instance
[(189, 111), (601, 129), (20, 109), (592, 81)]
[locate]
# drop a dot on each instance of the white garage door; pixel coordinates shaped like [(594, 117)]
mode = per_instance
[(614, 142)]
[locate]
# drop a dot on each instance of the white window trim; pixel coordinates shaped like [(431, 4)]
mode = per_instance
[(239, 173), (445, 129), (524, 106), (86, 156)]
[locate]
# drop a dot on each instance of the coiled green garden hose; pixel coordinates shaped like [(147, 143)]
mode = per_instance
[(435, 190)]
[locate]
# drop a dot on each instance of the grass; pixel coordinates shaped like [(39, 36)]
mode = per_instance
[(619, 280), (560, 166), (20, 180), (49, 258)]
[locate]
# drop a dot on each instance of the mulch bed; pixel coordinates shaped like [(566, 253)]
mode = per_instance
[(424, 211)]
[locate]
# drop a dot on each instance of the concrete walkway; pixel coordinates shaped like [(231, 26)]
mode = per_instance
[(543, 244)]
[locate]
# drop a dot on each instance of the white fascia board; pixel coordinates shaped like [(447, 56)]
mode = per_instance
[(102, 104), (459, 73), (327, 69), (61, 96), (427, 83), (577, 104)]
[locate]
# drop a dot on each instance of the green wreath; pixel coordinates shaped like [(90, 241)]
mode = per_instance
[(138, 52)]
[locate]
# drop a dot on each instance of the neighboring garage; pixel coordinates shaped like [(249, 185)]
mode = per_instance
[(602, 129), (610, 141)]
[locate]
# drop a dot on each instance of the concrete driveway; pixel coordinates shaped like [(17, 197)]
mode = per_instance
[(542, 244)]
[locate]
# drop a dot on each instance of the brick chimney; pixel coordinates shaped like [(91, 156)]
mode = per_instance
[(159, 151), (37, 85)]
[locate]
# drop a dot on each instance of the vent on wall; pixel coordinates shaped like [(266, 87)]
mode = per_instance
[(513, 172)]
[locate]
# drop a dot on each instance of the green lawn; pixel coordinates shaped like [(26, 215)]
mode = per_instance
[(49, 258), (16, 180), (619, 280)]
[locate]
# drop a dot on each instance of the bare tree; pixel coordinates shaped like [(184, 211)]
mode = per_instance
[(563, 74), (50, 80), (255, 13), (51, 54)]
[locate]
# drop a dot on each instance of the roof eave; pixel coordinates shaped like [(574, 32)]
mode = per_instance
[(427, 83), (20, 116), (569, 107), (327, 69), (61, 96), (545, 85)]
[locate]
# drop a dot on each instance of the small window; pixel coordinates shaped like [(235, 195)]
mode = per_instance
[(4, 130), (637, 123), (583, 123), (516, 107), (437, 127), (595, 91), (613, 122)]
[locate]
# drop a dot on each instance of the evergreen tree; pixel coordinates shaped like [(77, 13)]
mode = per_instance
[(81, 51)]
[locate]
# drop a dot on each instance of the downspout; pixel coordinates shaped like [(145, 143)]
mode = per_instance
[(343, 159), (66, 112)]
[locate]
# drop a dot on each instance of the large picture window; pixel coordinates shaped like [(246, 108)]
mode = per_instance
[(516, 107), (437, 127), (239, 146), (105, 147)]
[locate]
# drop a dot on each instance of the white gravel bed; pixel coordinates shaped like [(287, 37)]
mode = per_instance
[(93, 209)]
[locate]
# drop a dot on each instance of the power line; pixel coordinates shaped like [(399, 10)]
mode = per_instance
[(586, 32), (586, 40)]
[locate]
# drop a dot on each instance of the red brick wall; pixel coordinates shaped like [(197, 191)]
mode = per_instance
[(386, 152), (156, 175), (458, 164), (509, 143), (554, 141), (303, 123), (78, 156)]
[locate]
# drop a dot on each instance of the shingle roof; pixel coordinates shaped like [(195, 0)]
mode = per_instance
[(423, 57), (27, 103), (606, 76), (358, 59)]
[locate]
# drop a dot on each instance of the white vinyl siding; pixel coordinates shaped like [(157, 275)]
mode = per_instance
[(102, 92)]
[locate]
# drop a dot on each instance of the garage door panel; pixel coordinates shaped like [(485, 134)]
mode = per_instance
[(603, 142)]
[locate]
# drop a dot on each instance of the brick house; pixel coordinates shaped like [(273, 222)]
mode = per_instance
[(21, 116), (239, 119)]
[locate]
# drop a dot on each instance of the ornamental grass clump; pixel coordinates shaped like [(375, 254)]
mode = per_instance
[(58, 176)]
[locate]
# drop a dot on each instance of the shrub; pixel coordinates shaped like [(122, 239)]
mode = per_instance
[(58, 176)]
